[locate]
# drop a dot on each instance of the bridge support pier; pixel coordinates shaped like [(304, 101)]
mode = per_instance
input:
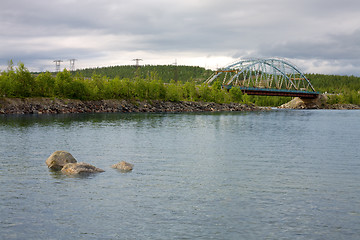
[(306, 103)]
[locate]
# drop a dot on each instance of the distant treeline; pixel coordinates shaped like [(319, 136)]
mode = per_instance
[(167, 83), (165, 73)]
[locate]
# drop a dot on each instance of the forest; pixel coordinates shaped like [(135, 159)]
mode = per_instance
[(165, 73), (166, 82)]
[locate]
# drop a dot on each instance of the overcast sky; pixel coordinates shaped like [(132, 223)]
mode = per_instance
[(319, 36)]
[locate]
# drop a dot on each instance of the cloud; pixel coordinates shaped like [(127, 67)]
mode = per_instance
[(333, 47), (111, 31), (336, 53)]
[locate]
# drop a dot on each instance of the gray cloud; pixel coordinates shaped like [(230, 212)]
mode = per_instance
[(333, 47), (318, 30)]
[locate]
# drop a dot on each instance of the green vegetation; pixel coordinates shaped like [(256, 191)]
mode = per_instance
[(19, 82), (165, 73), (154, 83), (340, 89)]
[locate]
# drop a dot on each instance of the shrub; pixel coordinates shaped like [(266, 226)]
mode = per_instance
[(45, 85)]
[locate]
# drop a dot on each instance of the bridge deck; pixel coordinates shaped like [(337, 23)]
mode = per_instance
[(276, 92)]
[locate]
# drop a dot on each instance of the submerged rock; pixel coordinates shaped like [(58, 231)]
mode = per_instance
[(59, 159), (123, 166), (80, 168)]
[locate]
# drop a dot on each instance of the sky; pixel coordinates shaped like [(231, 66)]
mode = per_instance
[(318, 36)]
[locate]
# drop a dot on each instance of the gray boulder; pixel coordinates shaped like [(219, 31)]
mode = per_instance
[(80, 168), (59, 159), (123, 166)]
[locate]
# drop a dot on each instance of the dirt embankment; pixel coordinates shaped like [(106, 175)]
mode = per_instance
[(319, 103), (55, 106)]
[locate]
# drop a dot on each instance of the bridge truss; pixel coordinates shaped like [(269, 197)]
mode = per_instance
[(272, 75)]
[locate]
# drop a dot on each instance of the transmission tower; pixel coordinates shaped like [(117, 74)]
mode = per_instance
[(137, 66), (57, 65), (72, 64), (176, 75), (137, 61)]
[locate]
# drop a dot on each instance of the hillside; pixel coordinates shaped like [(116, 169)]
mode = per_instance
[(165, 73)]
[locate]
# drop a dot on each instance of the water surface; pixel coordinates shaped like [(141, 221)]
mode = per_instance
[(257, 175)]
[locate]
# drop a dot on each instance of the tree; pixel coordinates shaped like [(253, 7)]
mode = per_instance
[(246, 99), (204, 93), (189, 91), (236, 94), (173, 92), (216, 85), (7, 82), (63, 84), (45, 85), (24, 82), (156, 90)]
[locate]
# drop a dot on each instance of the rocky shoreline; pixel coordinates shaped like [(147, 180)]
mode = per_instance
[(59, 106)]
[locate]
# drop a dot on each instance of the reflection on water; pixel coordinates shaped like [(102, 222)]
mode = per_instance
[(255, 175)]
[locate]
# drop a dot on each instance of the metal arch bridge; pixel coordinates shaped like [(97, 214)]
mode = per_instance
[(269, 77)]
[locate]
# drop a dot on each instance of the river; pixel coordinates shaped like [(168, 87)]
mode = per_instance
[(282, 174)]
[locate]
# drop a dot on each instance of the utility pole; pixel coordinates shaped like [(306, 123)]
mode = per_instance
[(72, 64), (57, 65)]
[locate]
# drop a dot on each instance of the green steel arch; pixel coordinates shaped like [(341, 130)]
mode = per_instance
[(269, 73)]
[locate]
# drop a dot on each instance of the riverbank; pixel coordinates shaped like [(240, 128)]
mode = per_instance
[(57, 106), (319, 103)]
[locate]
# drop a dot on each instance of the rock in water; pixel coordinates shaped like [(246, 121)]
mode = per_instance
[(80, 168), (58, 159), (123, 166)]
